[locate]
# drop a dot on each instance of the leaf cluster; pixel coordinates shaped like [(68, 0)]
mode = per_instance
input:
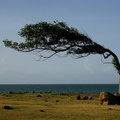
[(55, 37)]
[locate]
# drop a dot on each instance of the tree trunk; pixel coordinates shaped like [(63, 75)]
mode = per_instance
[(119, 85), (116, 64)]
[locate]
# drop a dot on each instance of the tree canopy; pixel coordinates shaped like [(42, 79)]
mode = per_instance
[(57, 37)]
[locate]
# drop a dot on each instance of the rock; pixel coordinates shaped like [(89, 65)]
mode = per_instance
[(33, 92), (7, 107), (10, 92), (15, 92), (90, 98), (109, 98), (57, 100), (42, 111), (109, 108), (116, 94), (85, 98), (39, 96), (78, 97)]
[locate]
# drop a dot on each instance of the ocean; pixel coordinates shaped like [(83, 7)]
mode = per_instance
[(60, 88)]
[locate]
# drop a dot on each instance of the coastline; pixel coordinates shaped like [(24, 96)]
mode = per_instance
[(52, 93), (60, 88)]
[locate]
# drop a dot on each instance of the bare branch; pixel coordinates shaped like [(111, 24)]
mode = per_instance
[(106, 62), (106, 56)]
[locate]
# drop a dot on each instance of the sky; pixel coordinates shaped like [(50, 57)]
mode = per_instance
[(100, 19)]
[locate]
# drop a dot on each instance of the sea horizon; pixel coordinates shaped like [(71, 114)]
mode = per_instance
[(59, 84), (59, 88)]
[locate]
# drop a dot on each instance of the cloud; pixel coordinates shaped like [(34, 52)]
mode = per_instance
[(88, 66)]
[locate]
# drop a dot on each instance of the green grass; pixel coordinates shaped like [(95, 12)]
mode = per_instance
[(27, 107)]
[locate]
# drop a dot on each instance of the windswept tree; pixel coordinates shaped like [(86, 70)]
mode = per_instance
[(49, 39)]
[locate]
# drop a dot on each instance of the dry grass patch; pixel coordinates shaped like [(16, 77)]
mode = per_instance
[(30, 107)]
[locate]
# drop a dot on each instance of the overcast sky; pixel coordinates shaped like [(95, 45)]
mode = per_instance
[(100, 19)]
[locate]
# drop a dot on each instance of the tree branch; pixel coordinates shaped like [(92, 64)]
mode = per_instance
[(106, 62)]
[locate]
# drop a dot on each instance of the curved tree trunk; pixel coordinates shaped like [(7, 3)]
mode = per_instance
[(119, 85), (116, 64)]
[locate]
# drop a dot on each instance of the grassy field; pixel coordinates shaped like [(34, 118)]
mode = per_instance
[(55, 106)]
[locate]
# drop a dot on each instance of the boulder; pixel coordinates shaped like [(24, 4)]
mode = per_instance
[(39, 96), (78, 97), (10, 92), (42, 111), (85, 98), (109, 98), (90, 98), (116, 94), (7, 107), (46, 100), (57, 100)]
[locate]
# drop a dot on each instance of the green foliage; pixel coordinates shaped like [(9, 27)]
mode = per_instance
[(55, 37)]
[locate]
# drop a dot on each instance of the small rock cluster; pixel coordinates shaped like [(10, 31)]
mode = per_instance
[(84, 98)]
